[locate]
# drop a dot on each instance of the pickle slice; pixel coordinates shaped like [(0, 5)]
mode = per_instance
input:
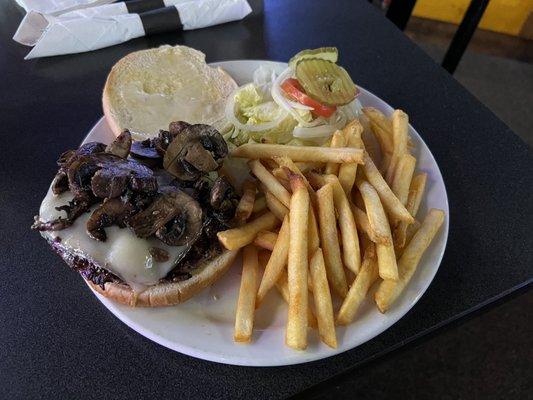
[(324, 53), (325, 81)]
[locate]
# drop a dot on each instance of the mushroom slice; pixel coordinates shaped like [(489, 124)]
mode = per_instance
[(121, 145), (223, 199), (174, 216), (113, 175), (80, 172), (173, 159), (144, 149), (84, 150), (147, 152), (109, 182), (66, 157), (220, 191), (182, 171), (196, 149), (110, 212), (60, 182), (162, 141), (202, 190), (176, 127), (200, 158), (164, 178), (213, 141)]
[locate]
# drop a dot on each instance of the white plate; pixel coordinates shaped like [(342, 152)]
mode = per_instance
[(203, 326)]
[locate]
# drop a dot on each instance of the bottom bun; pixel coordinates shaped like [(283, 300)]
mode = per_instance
[(168, 294)]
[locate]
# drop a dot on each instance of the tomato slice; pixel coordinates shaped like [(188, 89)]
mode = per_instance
[(294, 90)]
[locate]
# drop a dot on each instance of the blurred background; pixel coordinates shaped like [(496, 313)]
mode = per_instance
[(488, 47), (497, 63)]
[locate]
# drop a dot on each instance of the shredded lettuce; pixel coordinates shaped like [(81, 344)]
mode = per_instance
[(247, 97), (254, 107), (281, 134)]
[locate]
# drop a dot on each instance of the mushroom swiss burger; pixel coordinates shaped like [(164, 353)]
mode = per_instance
[(139, 219)]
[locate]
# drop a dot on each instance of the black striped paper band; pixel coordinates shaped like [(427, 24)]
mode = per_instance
[(165, 19), (140, 6)]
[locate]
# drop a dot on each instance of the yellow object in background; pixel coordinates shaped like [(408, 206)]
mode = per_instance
[(504, 16)]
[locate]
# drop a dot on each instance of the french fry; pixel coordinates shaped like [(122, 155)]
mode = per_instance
[(283, 289), (362, 223), (280, 173), (403, 176), (269, 164), (352, 129), (330, 241), (416, 191), (276, 263), (377, 117), (357, 293), (275, 206), (309, 166), (337, 140), (368, 247), (233, 239), (270, 182), (414, 198), (281, 176), (244, 318), (389, 200), (259, 204), (409, 233), (348, 171), (314, 238), (385, 144), (296, 334), (351, 253), (266, 240), (263, 256), (400, 128), (299, 153), (371, 144), (378, 226), (322, 297), (381, 126), (285, 162), (401, 181), (411, 230), (316, 180), (378, 220), (387, 265), (290, 167), (388, 291), (246, 203), (356, 196)]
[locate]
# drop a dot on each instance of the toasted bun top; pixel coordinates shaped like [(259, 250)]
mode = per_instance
[(148, 89)]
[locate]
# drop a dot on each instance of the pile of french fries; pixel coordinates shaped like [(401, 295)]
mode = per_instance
[(330, 221)]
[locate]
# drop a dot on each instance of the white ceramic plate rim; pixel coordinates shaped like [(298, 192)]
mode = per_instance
[(297, 357)]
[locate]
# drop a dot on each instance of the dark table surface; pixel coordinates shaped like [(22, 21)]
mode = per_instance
[(58, 341)]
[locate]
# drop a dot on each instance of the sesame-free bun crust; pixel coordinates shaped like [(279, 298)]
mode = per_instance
[(168, 294), (148, 89)]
